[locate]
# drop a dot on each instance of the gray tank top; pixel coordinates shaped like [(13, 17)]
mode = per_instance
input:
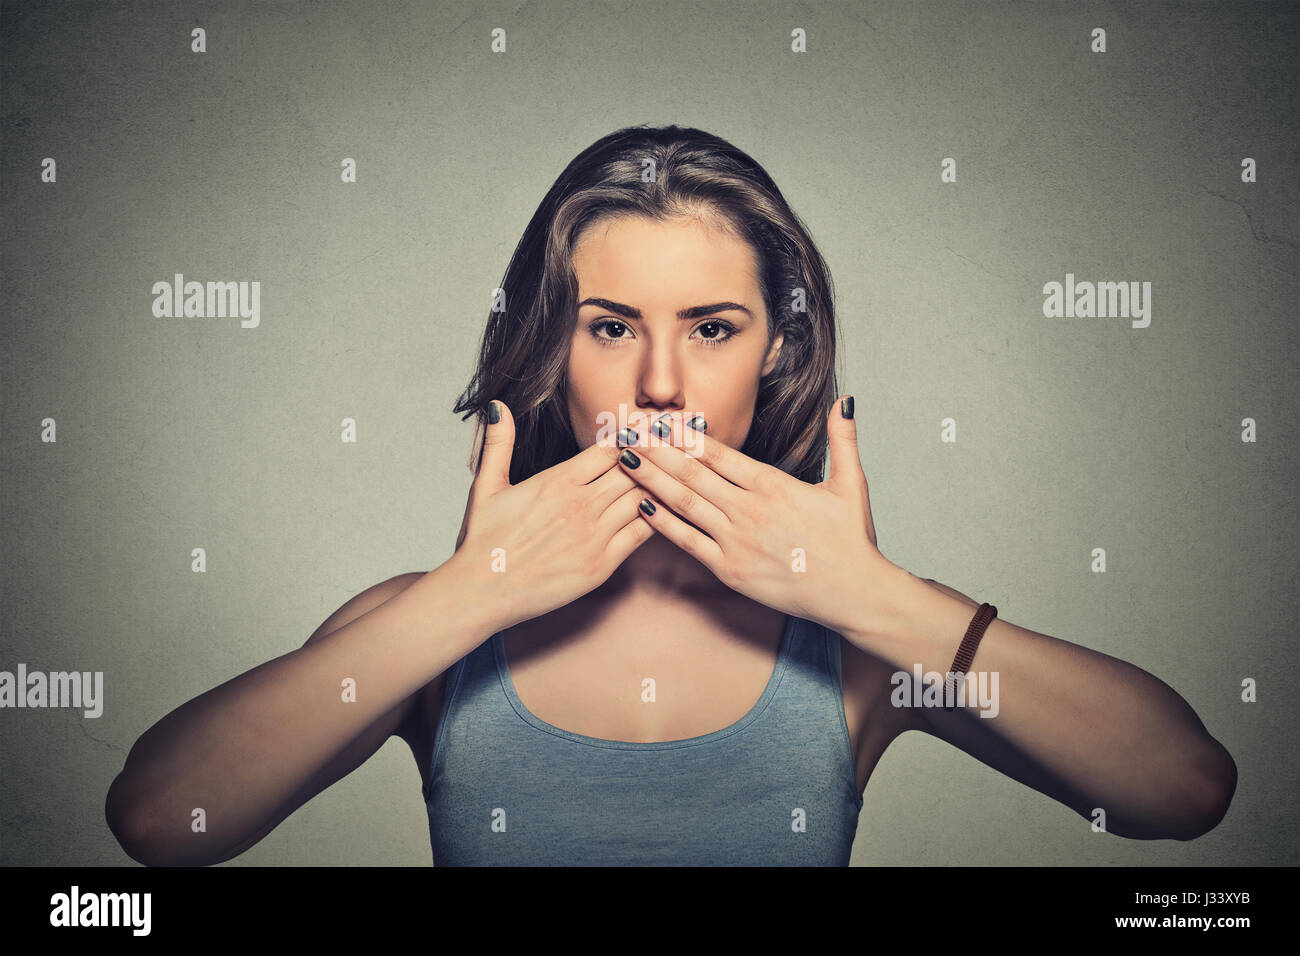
[(506, 788)]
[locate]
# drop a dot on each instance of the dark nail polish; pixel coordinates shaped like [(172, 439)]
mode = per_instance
[(662, 428), (698, 423), (628, 437), (629, 459), (647, 506), (494, 413), (846, 407)]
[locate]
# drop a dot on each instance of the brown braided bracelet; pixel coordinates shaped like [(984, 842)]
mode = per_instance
[(966, 652)]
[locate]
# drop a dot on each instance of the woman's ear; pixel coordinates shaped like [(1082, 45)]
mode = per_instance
[(773, 354)]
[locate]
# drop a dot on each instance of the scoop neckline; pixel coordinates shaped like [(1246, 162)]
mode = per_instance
[(769, 691)]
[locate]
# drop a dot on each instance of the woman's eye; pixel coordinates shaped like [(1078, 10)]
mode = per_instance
[(607, 324), (711, 333), (716, 338)]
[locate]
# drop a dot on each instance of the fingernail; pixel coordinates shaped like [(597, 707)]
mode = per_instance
[(647, 506), (629, 459), (698, 423), (628, 437), (494, 413), (846, 407), (662, 428)]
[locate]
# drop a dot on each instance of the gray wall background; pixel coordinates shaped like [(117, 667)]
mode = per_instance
[(1072, 433)]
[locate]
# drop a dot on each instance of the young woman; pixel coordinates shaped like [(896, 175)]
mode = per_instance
[(686, 651)]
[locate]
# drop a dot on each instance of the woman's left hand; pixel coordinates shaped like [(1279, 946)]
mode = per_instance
[(807, 550)]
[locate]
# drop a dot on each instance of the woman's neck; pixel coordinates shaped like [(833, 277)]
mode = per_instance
[(661, 578), (659, 567)]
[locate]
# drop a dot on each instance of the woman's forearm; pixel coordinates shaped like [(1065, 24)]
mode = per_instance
[(1120, 737), (252, 750)]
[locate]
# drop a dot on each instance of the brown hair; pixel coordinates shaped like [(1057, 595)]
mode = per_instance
[(525, 347)]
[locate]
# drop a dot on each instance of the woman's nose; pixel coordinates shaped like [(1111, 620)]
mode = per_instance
[(661, 375)]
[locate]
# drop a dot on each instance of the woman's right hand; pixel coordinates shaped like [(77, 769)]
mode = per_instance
[(553, 538)]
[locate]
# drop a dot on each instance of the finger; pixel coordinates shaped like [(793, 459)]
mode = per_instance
[(464, 524), (682, 498), (622, 512), (498, 447), (634, 534), (606, 489), (592, 462), (691, 540), (670, 453), (719, 457), (842, 431)]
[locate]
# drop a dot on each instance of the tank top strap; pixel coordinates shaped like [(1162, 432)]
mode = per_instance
[(814, 670)]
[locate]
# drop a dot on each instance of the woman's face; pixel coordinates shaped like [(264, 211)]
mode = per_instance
[(632, 349)]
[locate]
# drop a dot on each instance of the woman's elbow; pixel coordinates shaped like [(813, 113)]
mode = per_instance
[(1216, 783)]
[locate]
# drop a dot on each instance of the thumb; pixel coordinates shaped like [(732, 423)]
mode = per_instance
[(498, 449), (842, 431)]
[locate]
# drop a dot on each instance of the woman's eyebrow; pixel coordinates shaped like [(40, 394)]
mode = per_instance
[(699, 311)]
